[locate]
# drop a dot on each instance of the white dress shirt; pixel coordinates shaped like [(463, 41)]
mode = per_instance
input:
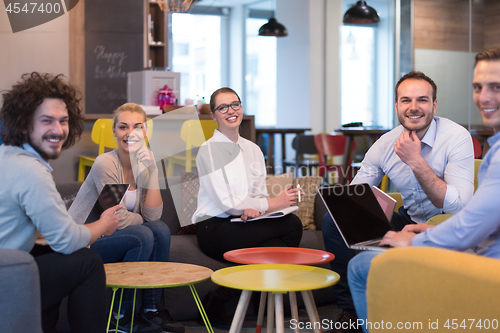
[(446, 147), (232, 178)]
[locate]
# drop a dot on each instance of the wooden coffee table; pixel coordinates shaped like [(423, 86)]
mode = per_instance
[(147, 275)]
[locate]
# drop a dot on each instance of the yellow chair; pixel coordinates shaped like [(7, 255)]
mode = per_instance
[(102, 134), (399, 200), (194, 133), (428, 288), (384, 183)]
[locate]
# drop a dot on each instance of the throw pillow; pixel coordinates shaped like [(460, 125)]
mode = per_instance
[(190, 189), (276, 184), (309, 186)]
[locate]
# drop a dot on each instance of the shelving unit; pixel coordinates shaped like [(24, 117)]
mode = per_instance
[(155, 39)]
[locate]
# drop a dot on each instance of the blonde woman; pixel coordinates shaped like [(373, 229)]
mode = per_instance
[(140, 236)]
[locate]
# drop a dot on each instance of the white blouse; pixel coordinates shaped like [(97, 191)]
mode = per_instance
[(232, 178)]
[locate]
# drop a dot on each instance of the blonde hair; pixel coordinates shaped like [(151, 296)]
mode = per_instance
[(131, 107)]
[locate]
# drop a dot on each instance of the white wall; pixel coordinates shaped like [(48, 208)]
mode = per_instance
[(292, 94), (44, 48), (452, 73), (334, 15)]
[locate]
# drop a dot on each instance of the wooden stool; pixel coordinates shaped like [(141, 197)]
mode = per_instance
[(276, 279), (278, 255), (147, 275)]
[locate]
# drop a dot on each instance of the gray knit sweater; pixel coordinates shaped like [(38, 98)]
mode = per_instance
[(107, 169)]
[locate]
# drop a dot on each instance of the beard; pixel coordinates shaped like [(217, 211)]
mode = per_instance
[(406, 123), (47, 154)]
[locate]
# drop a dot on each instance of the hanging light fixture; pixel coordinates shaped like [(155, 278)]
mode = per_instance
[(361, 13), (273, 28)]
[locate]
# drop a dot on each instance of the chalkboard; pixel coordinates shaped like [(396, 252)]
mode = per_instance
[(114, 45)]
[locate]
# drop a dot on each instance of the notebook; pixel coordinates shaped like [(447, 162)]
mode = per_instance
[(272, 215), (111, 195), (357, 214)]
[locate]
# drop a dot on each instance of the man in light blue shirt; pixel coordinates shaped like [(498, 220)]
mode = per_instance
[(41, 117), (477, 226), (429, 159)]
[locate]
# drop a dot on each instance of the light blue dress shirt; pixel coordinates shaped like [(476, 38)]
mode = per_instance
[(28, 147), (446, 147), (477, 225)]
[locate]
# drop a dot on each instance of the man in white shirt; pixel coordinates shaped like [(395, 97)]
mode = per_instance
[(429, 159)]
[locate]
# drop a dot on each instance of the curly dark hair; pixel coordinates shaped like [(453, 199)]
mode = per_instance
[(417, 76), (20, 103)]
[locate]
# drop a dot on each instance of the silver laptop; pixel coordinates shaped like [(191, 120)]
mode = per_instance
[(358, 215)]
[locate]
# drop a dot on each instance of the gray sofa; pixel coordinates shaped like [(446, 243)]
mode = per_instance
[(184, 249), (20, 310)]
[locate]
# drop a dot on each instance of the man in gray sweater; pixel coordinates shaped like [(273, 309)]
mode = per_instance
[(40, 116)]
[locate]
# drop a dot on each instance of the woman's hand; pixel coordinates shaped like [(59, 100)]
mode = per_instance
[(286, 198), (250, 214), (146, 157)]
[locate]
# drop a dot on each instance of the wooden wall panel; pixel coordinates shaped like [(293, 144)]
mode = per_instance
[(77, 48), (444, 25), (492, 24)]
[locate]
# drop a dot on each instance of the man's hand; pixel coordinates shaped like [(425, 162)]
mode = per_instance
[(408, 148), (109, 220), (398, 239), (250, 214), (146, 157), (417, 228)]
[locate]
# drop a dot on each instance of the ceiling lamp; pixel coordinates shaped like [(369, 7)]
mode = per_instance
[(175, 6), (361, 13), (273, 28)]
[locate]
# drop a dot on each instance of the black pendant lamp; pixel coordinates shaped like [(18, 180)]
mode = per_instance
[(273, 28), (361, 13)]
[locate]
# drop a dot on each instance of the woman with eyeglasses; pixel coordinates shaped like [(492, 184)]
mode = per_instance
[(232, 175)]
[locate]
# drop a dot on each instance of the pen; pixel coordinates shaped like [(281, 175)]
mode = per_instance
[(298, 186)]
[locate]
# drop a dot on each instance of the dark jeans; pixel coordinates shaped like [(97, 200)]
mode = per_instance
[(219, 235), (149, 241), (335, 244), (80, 276)]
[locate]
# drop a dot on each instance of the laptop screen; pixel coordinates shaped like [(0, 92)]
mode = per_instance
[(356, 212)]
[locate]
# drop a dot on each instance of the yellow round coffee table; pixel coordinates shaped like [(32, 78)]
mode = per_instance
[(277, 279), (146, 275)]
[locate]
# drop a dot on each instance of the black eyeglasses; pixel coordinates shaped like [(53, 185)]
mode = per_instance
[(223, 108)]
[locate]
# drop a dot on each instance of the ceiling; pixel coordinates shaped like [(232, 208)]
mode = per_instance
[(254, 4)]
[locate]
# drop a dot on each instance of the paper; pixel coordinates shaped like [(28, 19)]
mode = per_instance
[(272, 215)]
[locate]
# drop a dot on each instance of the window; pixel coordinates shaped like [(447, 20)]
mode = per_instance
[(357, 75), (196, 44), (260, 75)]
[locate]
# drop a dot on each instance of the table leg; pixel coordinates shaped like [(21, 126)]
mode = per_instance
[(201, 309), (347, 160), (312, 312), (283, 152), (111, 309), (270, 155), (262, 308), (270, 313), (280, 317), (294, 309), (241, 309), (133, 313)]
